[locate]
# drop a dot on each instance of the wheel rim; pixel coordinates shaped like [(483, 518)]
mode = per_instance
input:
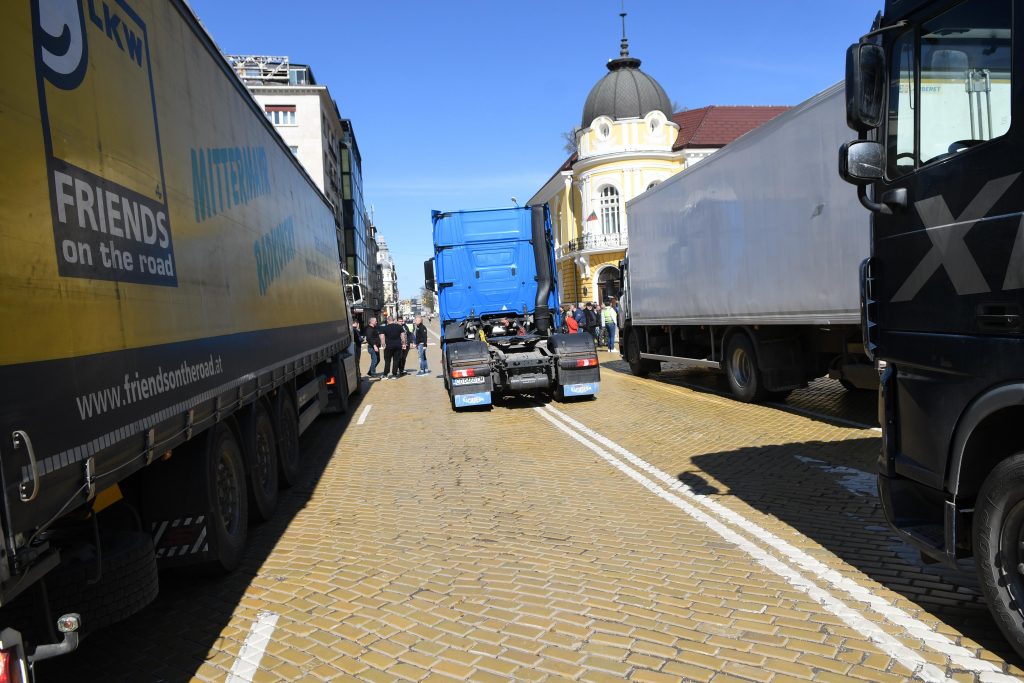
[(740, 367), (1011, 549), (227, 491)]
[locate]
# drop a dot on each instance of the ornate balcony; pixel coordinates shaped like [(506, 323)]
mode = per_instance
[(590, 242)]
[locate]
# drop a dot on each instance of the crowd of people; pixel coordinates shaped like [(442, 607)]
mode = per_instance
[(392, 342), (601, 321)]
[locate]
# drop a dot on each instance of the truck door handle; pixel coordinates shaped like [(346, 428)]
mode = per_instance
[(999, 317), (20, 438)]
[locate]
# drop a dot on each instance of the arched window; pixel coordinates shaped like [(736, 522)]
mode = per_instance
[(609, 210)]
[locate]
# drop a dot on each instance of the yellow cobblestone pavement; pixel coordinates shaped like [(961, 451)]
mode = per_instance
[(658, 533)]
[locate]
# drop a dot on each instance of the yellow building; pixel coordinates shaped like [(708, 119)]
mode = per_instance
[(624, 146), (629, 140)]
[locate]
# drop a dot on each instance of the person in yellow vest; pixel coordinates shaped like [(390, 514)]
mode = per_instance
[(609, 317)]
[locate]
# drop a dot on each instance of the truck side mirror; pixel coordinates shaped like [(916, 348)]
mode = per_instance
[(861, 162), (428, 274), (865, 86)]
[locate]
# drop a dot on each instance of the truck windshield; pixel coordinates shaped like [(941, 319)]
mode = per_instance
[(962, 97)]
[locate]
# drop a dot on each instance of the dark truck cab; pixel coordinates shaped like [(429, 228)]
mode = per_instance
[(493, 271), (934, 90)]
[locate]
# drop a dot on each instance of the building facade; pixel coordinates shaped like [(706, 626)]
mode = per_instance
[(629, 140), (389, 278)]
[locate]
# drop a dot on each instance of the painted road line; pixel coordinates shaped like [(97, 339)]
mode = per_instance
[(889, 645), (248, 660), (362, 415), (959, 656)]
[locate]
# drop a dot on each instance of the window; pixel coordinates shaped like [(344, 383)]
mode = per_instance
[(281, 114), (962, 97), (609, 210)]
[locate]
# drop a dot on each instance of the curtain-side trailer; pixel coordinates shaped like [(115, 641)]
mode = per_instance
[(175, 315), (747, 262)]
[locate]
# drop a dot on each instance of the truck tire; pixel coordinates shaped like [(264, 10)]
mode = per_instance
[(639, 367), (129, 581), (289, 457), (226, 500), (261, 463), (741, 369), (998, 552)]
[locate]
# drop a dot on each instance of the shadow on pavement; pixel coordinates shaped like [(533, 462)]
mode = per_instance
[(169, 640), (827, 492), (824, 400)]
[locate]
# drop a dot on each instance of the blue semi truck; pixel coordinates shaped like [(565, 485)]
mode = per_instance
[(493, 272)]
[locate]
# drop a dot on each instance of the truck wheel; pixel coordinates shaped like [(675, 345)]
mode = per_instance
[(288, 455), (128, 582), (999, 547), (261, 463), (226, 502), (741, 369), (640, 367)]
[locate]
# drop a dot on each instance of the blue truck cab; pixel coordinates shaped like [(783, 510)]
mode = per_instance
[(493, 273)]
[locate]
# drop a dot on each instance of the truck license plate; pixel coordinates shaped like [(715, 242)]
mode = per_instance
[(462, 381)]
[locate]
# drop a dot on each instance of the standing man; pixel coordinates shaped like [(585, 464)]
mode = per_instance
[(609, 316), (357, 343), (421, 345), (395, 343), (373, 346), (581, 317)]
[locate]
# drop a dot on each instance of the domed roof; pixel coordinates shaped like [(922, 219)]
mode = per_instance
[(625, 91)]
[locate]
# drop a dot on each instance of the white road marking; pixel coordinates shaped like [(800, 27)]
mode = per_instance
[(362, 415), (851, 617), (248, 660), (960, 656)]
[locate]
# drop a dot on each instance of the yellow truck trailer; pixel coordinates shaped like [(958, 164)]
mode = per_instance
[(173, 302)]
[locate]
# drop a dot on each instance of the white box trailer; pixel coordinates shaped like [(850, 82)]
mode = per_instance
[(748, 261)]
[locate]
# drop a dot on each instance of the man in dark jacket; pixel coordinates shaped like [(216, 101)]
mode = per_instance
[(373, 345), (357, 343), (395, 343), (421, 345)]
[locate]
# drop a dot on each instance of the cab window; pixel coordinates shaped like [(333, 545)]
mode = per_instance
[(961, 97)]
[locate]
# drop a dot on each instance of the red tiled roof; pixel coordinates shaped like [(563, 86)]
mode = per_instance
[(718, 125)]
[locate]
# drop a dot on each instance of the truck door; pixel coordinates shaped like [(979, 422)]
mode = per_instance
[(949, 265)]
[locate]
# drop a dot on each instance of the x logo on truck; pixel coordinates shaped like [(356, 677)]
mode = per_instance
[(947, 235)]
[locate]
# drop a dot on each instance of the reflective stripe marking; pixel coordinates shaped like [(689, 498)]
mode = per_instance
[(199, 541)]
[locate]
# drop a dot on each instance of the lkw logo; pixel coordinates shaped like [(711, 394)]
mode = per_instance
[(98, 106)]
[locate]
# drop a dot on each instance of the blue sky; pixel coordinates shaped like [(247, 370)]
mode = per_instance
[(461, 104)]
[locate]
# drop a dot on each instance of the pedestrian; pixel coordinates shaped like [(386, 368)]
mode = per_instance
[(395, 343), (421, 345), (373, 346), (590, 320), (357, 345), (580, 314), (610, 317), (410, 336), (571, 326)]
